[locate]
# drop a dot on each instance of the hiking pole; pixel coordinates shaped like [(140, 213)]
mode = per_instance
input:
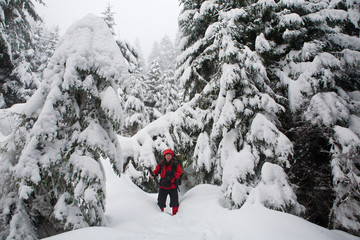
[(151, 173)]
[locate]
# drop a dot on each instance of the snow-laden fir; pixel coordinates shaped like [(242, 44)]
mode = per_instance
[(26, 46), (270, 120), (52, 175), (294, 64)]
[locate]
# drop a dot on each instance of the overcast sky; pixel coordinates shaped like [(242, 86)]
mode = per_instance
[(145, 20)]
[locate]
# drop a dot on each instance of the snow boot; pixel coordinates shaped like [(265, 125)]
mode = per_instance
[(175, 210), (162, 209)]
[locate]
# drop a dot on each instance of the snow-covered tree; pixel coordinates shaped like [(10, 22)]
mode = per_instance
[(346, 170), (167, 54), (53, 155), (46, 40), (108, 16), (15, 41), (141, 59), (273, 100), (240, 130), (168, 93), (163, 93), (30, 61), (227, 132), (309, 49), (155, 72), (164, 53), (154, 54), (153, 92), (133, 91)]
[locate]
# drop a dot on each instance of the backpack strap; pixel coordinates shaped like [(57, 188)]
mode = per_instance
[(174, 165)]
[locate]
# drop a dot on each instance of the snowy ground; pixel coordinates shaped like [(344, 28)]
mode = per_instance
[(133, 214)]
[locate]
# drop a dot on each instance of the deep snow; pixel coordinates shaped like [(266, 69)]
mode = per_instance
[(203, 214)]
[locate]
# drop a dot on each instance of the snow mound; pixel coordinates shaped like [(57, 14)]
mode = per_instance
[(274, 190), (89, 43)]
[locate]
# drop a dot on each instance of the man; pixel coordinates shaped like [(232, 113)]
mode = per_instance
[(170, 173)]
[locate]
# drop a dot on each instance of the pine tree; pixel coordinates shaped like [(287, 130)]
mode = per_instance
[(168, 92), (15, 39), (346, 169), (155, 72), (66, 127), (163, 93), (167, 54), (153, 93), (154, 54), (47, 39), (134, 91), (32, 60), (164, 53), (136, 114), (108, 16), (141, 59), (303, 47), (272, 106), (239, 134)]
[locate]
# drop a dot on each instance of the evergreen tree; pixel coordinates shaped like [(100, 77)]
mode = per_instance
[(345, 169), (47, 39), (273, 104), (306, 49), (32, 60), (168, 93), (154, 54), (155, 72), (163, 93), (153, 93), (53, 156), (167, 54), (108, 16), (239, 133), (164, 53), (133, 88), (141, 59), (15, 40), (136, 114)]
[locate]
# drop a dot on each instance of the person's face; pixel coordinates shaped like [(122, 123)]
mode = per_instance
[(168, 157)]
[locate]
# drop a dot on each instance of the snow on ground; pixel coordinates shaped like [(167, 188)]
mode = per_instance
[(203, 214)]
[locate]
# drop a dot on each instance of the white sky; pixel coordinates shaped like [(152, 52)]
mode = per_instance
[(145, 20)]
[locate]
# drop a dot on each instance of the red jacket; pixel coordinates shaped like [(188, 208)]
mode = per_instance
[(165, 168)]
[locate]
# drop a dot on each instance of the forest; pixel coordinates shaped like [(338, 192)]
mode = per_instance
[(260, 98)]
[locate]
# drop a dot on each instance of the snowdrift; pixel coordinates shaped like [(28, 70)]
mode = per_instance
[(203, 214)]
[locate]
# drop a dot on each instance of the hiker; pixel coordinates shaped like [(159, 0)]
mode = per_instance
[(170, 172)]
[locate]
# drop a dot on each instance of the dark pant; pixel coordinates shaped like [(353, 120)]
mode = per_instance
[(174, 198)]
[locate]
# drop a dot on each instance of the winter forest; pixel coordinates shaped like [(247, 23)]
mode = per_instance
[(260, 98)]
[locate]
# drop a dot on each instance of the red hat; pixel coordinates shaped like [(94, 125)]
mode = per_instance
[(169, 151)]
